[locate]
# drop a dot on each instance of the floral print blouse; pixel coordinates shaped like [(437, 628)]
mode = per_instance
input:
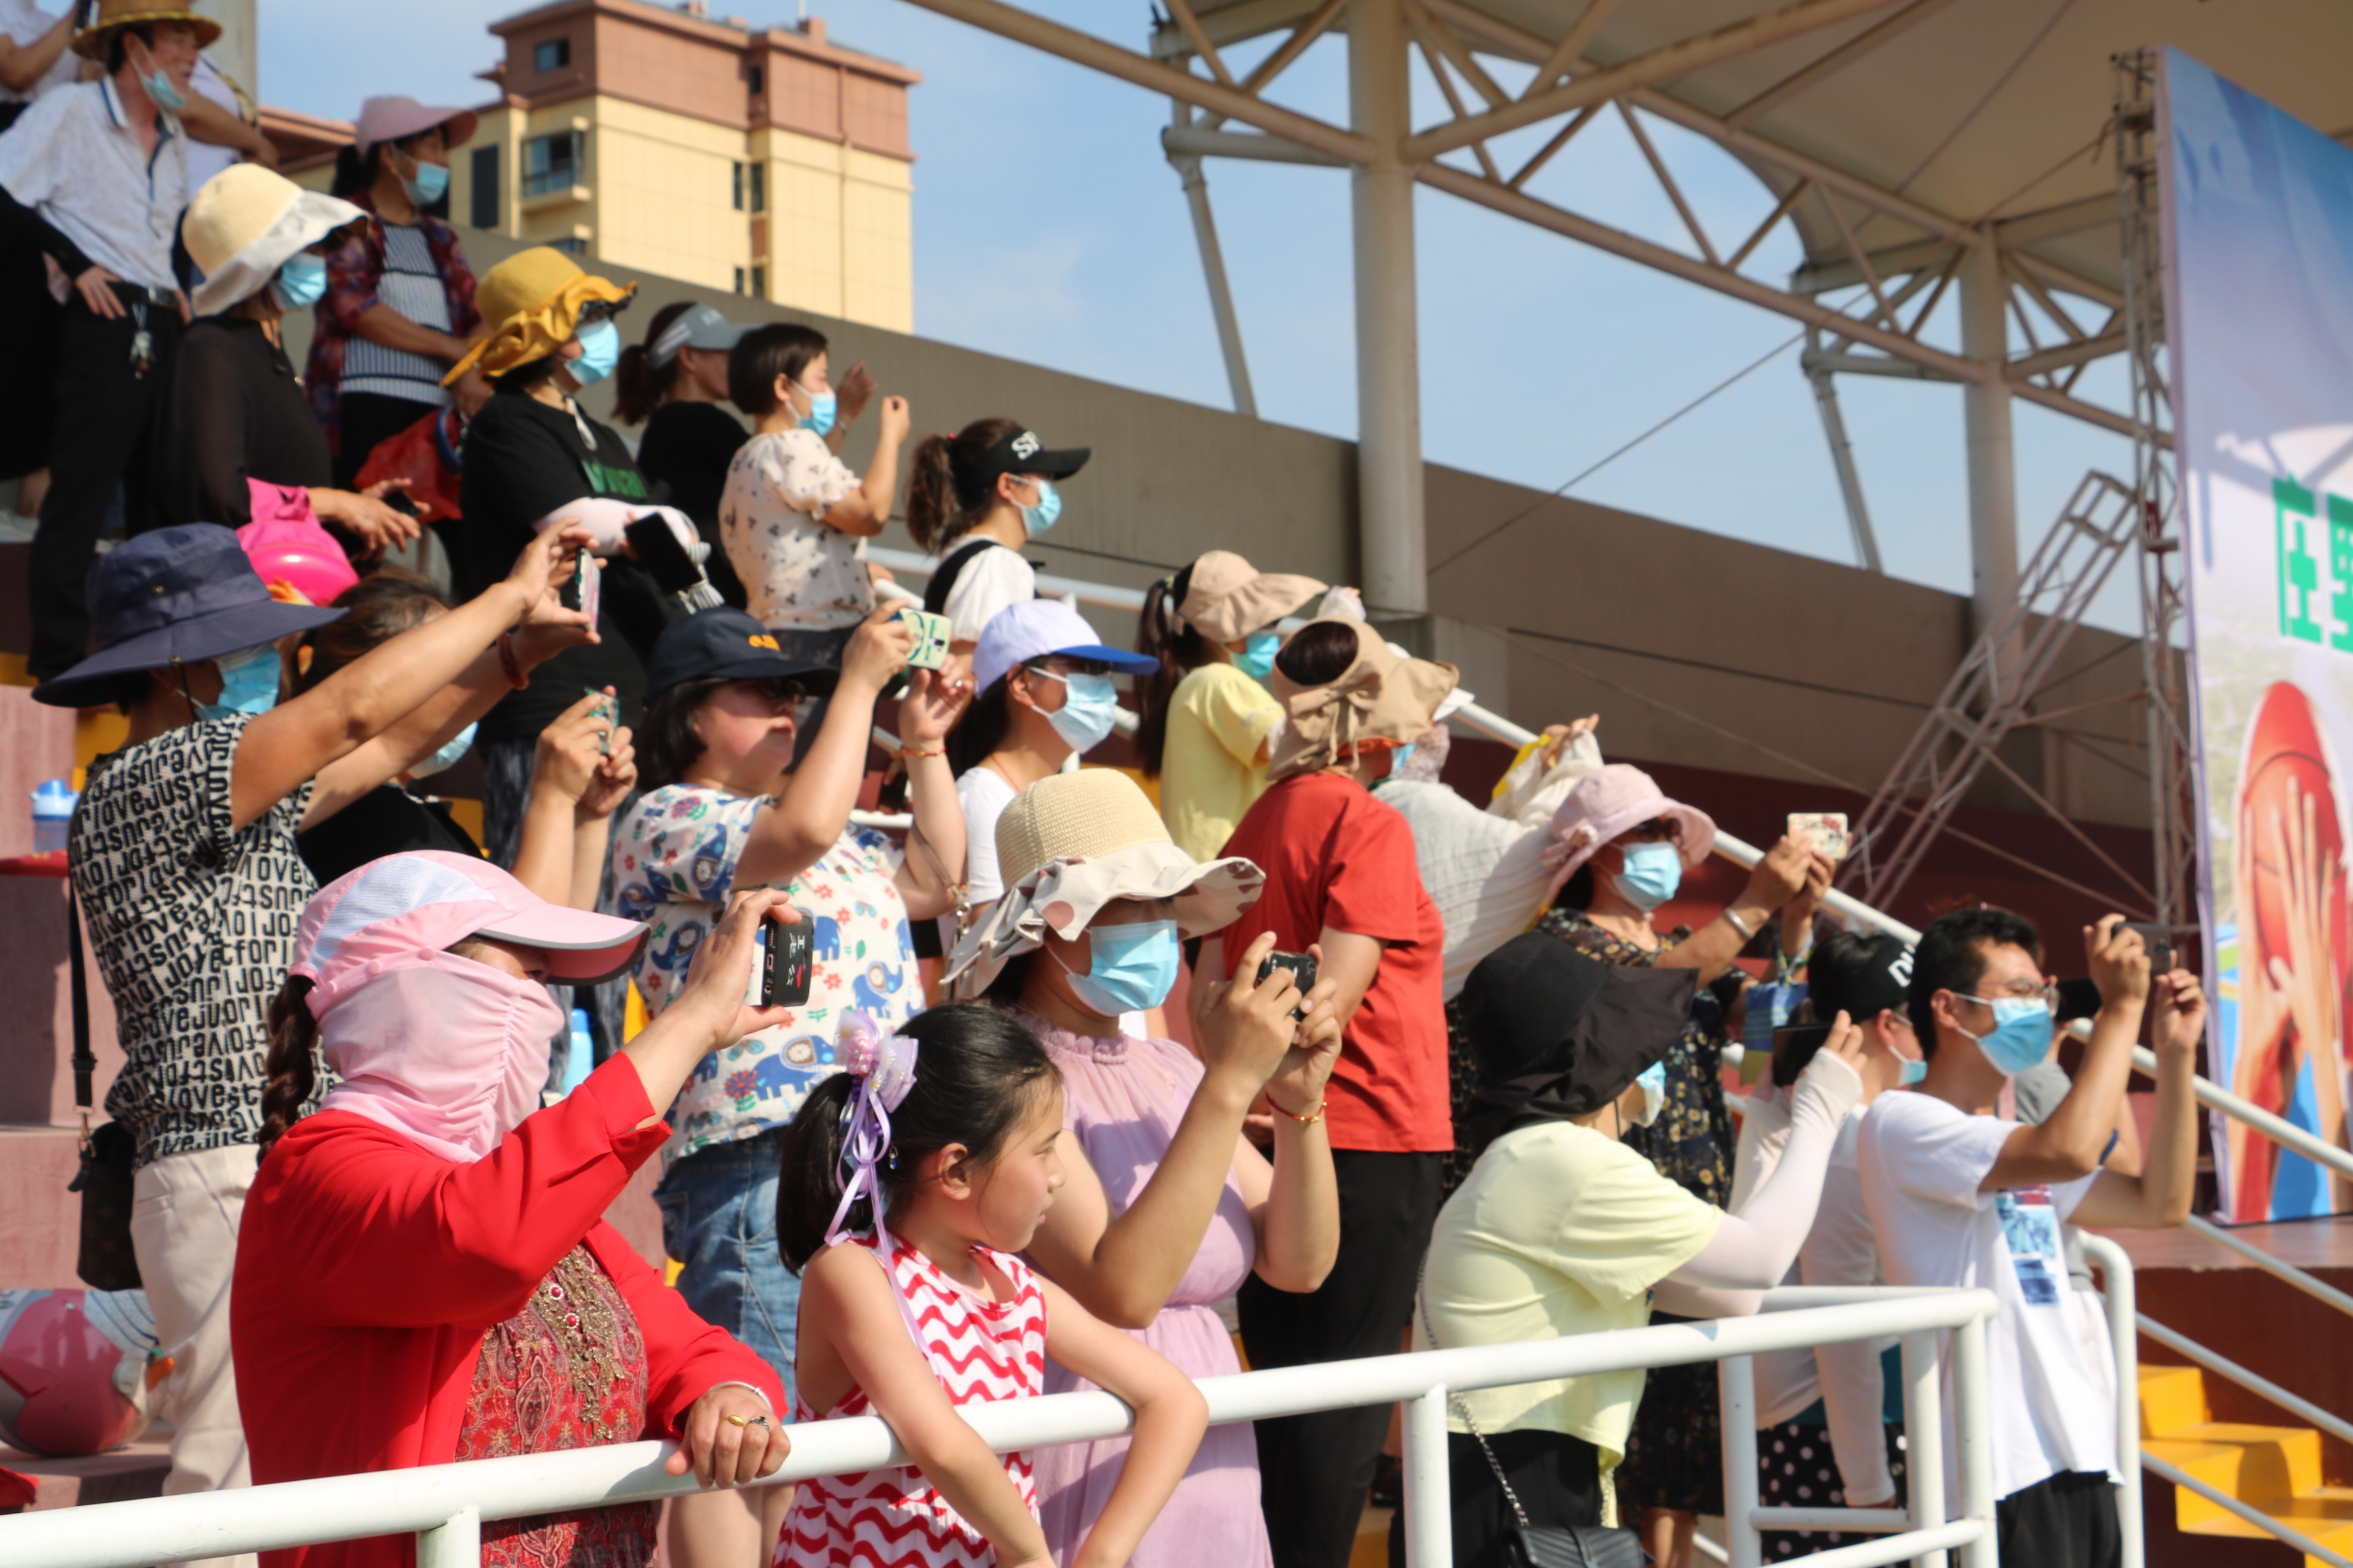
[(798, 574)]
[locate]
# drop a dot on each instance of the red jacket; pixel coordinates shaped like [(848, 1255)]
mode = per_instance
[(368, 1270)]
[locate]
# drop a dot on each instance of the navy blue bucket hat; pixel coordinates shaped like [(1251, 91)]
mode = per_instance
[(177, 596)]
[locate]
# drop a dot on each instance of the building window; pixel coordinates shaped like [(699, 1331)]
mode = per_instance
[(739, 280), (739, 191), (759, 80), (483, 196), (759, 187), (551, 55), (571, 245), (551, 163), (759, 282)]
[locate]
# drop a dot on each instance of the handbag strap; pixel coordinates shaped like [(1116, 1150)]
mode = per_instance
[(1454, 1401), (85, 1060)]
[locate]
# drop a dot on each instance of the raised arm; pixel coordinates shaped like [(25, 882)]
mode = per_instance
[(2157, 1195), (937, 867), (299, 740), (865, 510), (1779, 877), (2068, 1144), (788, 839)]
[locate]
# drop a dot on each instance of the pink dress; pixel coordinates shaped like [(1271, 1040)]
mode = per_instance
[(1122, 1098), (980, 1349)]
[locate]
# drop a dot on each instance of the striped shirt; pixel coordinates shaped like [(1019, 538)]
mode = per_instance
[(411, 285)]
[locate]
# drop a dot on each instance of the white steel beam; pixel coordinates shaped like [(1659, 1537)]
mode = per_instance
[(1086, 50), (1663, 64), (1389, 505), (1221, 298), (1200, 141), (1992, 465)]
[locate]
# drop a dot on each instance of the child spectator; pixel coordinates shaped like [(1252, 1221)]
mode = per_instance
[(974, 500), (945, 1131), (1205, 722), (1340, 874), (794, 520)]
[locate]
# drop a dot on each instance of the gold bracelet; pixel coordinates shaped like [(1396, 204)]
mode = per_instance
[(1310, 1119)]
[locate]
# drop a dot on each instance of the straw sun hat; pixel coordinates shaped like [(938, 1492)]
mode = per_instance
[(532, 302), (1072, 842), (243, 224), (90, 42)]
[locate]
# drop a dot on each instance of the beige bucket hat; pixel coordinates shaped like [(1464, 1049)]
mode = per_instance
[(1383, 695), (1072, 842), (243, 224), (1227, 598)]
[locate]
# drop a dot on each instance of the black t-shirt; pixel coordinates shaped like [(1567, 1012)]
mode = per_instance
[(522, 460), (688, 446), (387, 820), (230, 410)]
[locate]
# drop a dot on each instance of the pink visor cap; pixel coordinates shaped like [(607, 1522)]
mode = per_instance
[(1605, 804), (388, 914)]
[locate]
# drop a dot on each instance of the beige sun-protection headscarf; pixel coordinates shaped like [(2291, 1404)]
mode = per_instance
[(1383, 695), (1069, 845), (532, 302)]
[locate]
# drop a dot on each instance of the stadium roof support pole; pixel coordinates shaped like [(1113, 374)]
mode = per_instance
[(1394, 553), (1992, 466)]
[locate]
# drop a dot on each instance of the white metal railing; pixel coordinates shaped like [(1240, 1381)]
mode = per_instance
[(445, 1505)]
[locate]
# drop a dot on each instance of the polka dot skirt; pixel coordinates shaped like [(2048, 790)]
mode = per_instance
[(1795, 1469)]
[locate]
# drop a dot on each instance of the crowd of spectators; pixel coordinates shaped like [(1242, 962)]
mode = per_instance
[(1272, 1029)]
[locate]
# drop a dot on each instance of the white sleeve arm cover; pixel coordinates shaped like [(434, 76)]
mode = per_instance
[(606, 518), (1753, 1249)]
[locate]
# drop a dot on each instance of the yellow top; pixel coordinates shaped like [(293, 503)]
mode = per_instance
[(1211, 768), (1557, 1230)]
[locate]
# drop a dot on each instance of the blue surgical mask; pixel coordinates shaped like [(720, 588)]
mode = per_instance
[(600, 351), (248, 683), (1912, 1070), (1038, 518), (301, 281), (1085, 716), (819, 418), (1653, 1079), (168, 96), (1257, 657), (446, 757), (2021, 1036), (1398, 757), (1652, 872), (1134, 967), (431, 184)]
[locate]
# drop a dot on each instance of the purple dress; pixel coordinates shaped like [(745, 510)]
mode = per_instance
[(1122, 1098)]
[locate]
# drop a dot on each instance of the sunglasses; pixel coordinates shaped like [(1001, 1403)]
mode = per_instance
[(779, 689)]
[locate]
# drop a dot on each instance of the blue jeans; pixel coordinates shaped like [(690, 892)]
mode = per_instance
[(719, 1219)]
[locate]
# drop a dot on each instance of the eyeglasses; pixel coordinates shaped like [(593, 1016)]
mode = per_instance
[(594, 311), (1057, 666), (2017, 990)]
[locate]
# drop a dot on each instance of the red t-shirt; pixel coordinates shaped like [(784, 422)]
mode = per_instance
[(1335, 856)]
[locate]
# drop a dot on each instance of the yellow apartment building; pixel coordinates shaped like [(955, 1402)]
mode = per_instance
[(766, 161)]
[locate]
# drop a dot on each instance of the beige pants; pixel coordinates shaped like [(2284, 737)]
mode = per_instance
[(184, 1217)]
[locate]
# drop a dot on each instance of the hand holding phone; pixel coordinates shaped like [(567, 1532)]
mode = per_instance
[(933, 633), (781, 968), (1827, 829)]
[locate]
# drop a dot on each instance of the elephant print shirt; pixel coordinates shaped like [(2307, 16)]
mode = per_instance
[(674, 860)]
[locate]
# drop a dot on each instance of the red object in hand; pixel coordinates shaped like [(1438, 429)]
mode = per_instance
[(47, 863)]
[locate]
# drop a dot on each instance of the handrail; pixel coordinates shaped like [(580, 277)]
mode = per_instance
[(2122, 1298), (2278, 1268), (2254, 1381), (445, 1504), (2279, 1527)]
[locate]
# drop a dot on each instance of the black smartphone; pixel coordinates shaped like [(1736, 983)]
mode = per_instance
[(660, 553), (2077, 999), (1301, 964), (781, 969), (2159, 940), (1794, 1046)]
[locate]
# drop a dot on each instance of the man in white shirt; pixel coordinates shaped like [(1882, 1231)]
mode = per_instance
[(96, 175), (1959, 1197)]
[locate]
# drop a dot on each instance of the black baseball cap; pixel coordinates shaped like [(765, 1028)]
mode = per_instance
[(725, 644), (1018, 451), (1860, 976)]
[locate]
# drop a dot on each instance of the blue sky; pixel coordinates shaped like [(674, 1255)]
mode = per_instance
[(1050, 227)]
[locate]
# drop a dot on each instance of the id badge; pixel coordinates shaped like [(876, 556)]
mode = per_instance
[(2030, 1230)]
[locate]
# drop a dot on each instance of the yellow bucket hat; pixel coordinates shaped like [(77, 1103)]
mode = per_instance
[(532, 300)]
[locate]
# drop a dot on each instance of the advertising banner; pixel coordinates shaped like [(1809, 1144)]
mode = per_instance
[(2259, 310)]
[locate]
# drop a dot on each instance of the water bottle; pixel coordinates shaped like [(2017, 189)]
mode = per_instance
[(53, 805), (582, 1061)]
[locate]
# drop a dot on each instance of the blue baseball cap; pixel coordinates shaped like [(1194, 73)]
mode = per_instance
[(725, 644), (1038, 628)]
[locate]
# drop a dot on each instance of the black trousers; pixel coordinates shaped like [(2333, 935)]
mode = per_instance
[(2066, 1521), (1555, 1477), (364, 418), (98, 445), (1315, 1471)]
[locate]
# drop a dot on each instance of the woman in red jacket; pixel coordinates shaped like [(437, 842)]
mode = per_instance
[(425, 1273)]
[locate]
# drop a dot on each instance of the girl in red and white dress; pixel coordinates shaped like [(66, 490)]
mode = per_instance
[(934, 1173)]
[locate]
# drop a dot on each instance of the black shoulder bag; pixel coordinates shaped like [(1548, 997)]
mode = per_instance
[(106, 1261)]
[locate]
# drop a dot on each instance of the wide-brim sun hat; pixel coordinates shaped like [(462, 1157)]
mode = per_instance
[(90, 41), (243, 224), (1040, 628), (392, 118), (1227, 598), (1383, 695), (1556, 1034), (383, 916), (531, 304), (1605, 804), (1072, 842), (173, 596)]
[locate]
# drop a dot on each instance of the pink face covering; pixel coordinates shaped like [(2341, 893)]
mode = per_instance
[(447, 1051)]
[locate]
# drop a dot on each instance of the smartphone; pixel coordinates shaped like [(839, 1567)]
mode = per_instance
[(932, 635), (1794, 1046), (1826, 828), (586, 591), (1301, 964), (2159, 940), (657, 550), (610, 709), (781, 968), (2077, 999)]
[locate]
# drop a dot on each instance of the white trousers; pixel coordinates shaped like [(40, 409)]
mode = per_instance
[(184, 1217)]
